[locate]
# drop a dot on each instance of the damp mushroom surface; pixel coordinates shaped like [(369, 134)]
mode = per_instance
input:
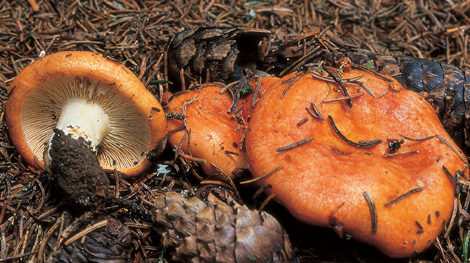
[(374, 163), (85, 96), (208, 124), (202, 127)]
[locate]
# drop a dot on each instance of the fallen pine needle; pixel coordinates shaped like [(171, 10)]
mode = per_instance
[(86, 231)]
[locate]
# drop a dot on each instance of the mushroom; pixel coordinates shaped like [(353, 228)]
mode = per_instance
[(375, 170), (217, 136), (84, 95)]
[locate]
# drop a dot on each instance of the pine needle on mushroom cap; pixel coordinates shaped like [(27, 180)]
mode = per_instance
[(134, 122), (215, 134), (324, 181)]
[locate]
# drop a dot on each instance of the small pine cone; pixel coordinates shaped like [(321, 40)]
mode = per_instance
[(211, 54), (214, 231)]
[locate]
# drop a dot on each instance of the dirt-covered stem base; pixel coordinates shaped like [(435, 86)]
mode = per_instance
[(77, 171)]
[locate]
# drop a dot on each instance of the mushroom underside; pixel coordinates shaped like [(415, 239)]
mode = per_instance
[(117, 131)]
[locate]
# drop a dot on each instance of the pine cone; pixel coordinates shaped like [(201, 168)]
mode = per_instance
[(213, 231), (214, 50)]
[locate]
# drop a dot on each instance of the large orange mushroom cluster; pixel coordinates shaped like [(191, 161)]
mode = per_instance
[(370, 159), (366, 157)]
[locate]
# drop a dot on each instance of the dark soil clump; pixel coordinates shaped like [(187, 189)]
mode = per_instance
[(77, 171)]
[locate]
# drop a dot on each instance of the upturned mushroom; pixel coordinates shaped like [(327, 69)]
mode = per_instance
[(84, 95), (382, 170)]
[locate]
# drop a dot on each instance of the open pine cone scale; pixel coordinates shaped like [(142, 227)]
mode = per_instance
[(215, 231)]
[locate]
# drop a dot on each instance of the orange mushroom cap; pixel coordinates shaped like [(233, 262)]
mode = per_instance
[(326, 181), (215, 134), (136, 119)]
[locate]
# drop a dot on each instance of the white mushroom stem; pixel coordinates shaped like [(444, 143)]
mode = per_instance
[(82, 118)]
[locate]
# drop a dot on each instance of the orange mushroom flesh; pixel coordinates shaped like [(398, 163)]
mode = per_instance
[(85, 95), (381, 190)]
